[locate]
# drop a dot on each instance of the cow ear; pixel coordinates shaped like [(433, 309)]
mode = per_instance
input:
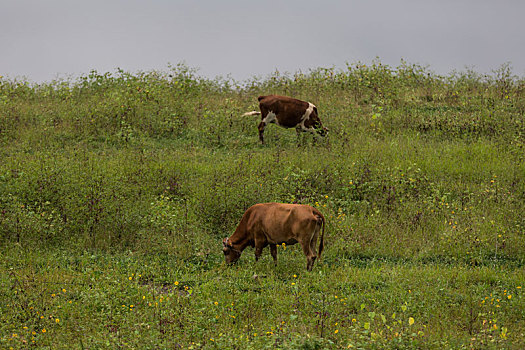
[(225, 242)]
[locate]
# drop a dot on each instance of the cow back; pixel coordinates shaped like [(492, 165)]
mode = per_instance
[(279, 222)]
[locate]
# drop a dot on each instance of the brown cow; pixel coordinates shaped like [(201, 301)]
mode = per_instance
[(288, 113), (276, 223)]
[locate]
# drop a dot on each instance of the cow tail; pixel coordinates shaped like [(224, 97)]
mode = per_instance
[(251, 113), (321, 244)]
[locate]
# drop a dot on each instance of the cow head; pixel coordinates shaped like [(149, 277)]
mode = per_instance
[(231, 254), (322, 131), (317, 125)]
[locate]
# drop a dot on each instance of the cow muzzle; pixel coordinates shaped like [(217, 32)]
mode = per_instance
[(322, 131)]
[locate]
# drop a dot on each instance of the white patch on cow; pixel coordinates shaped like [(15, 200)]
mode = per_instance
[(271, 117), (306, 116)]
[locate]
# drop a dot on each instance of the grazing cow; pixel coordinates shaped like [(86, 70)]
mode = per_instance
[(276, 223), (288, 113)]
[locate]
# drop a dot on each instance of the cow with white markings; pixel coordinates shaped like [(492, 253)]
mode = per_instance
[(288, 112)]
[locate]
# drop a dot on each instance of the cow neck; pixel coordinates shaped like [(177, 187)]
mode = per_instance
[(239, 240)]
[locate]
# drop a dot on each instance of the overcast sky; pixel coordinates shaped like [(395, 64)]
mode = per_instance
[(42, 40)]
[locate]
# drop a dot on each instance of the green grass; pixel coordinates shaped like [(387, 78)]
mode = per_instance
[(116, 190), (135, 300)]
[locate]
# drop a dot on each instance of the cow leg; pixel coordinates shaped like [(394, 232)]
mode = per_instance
[(312, 132), (258, 252), (310, 263), (298, 131), (261, 127), (273, 250), (310, 255), (313, 243)]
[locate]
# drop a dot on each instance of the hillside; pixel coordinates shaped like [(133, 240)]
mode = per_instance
[(116, 190)]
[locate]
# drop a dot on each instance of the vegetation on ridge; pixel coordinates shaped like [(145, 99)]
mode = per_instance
[(116, 190)]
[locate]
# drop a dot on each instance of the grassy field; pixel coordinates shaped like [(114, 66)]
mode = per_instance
[(116, 190)]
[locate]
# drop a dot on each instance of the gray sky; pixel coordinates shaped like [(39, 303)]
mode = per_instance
[(42, 40)]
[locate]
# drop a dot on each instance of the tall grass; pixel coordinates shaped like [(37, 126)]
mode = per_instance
[(115, 175)]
